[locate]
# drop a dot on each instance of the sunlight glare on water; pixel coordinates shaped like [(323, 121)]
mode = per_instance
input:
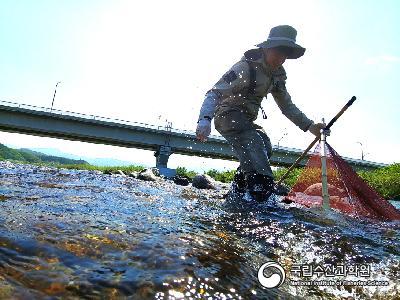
[(68, 233)]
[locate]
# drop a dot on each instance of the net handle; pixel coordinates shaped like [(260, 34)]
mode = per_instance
[(331, 122), (348, 104)]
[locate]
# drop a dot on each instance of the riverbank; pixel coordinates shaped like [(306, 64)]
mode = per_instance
[(386, 181)]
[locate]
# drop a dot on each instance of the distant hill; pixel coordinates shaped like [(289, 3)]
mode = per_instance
[(27, 155), (102, 162)]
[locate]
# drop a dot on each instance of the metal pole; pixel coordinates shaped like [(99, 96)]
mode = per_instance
[(324, 175), (54, 96)]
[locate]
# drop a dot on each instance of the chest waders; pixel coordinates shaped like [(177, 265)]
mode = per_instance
[(259, 186)]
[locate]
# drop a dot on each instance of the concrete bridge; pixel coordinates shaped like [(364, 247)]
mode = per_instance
[(163, 140)]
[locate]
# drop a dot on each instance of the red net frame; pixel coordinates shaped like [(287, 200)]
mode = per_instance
[(348, 192)]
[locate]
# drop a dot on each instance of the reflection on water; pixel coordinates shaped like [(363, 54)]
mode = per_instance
[(81, 234)]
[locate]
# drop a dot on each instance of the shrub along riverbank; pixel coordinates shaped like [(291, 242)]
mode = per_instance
[(386, 181)]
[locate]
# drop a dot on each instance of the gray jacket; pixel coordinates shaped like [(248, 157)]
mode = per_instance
[(245, 85)]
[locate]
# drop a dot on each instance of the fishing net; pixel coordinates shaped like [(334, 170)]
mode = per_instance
[(348, 193)]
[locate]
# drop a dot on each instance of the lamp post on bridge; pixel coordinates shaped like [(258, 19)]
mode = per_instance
[(54, 96), (362, 151), (285, 134)]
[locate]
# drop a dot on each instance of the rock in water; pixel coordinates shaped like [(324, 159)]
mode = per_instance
[(316, 190), (156, 172), (180, 180), (120, 172), (203, 182), (147, 175), (133, 174), (282, 190)]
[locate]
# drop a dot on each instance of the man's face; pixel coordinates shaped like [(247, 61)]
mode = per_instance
[(275, 57)]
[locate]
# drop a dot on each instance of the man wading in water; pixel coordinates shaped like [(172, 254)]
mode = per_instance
[(235, 100)]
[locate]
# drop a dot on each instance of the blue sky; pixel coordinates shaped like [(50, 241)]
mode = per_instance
[(153, 61)]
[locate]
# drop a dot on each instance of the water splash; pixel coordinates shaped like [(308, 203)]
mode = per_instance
[(66, 233)]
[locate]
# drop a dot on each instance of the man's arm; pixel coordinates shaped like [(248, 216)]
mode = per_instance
[(285, 104), (229, 85), (207, 111), (293, 113), (211, 100)]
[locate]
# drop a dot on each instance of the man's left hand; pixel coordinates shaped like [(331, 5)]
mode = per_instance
[(203, 129)]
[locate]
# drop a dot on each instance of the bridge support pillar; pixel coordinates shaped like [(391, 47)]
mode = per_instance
[(162, 156)]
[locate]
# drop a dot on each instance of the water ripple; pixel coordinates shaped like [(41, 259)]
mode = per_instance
[(83, 234)]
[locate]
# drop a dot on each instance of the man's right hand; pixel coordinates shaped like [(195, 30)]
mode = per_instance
[(203, 129), (316, 128)]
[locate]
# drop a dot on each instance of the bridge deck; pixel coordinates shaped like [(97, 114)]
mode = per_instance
[(79, 127)]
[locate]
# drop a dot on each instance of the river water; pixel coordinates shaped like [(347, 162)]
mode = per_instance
[(67, 234)]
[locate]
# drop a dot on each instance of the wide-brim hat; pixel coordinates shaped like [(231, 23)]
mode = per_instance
[(283, 35)]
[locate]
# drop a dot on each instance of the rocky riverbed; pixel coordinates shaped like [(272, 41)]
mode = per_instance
[(72, 234)]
